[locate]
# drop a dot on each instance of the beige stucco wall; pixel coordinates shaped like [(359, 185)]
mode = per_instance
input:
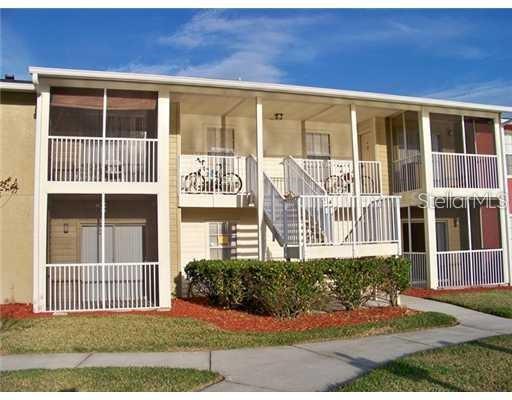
[(17, 133), (281, 138)]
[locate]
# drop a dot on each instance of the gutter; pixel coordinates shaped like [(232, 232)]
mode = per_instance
[(17, 87), (255, 86)]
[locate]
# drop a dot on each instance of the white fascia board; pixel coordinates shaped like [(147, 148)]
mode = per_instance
[(257, 86), (17, 87)]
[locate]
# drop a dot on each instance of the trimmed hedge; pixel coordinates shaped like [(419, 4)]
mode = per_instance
[(285, 289)]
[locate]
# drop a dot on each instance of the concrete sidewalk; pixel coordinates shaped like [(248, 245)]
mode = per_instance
[(303, 367)]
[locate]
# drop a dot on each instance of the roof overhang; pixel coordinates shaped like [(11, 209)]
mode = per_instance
[(39, 72), (17, 87)]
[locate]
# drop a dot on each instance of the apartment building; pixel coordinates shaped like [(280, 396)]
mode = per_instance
[(124, 178)]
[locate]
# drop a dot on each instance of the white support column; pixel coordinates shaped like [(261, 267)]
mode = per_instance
[(260, 188), (357, 179), (429, 210), (355, 150), (40, 199), (499, 135), (103, 169), (164, 253), (103, 239)]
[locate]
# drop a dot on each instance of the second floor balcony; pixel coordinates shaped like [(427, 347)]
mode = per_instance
[(96, 159)]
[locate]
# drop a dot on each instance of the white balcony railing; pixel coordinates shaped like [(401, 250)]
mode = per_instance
[(418, 268), (89, 287), (211, 174), (457, 170), (336, 220), (84, 159), (470, 268), (336, 176), (407, 174)]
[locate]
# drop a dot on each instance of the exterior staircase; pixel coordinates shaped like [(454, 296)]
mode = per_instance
[(309, 223)]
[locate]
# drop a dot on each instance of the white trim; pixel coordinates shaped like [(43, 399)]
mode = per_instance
[(163, 200), (17, 87), (37, 195), (429, 212), (260, 185), (265, 87), (499, 140)]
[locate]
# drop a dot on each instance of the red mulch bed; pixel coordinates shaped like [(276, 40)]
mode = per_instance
[(430, 293), (235, 320)]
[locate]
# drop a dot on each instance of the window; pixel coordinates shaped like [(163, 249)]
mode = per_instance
[(220, 141), (318, 146), (222, 240)]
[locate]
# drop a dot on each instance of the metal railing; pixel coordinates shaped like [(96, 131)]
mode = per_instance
[(458, 170), (212, 174), (84, 159), (282, 213), (336, 220), (470, 268), (299, 181), (89, 287), (336, 176), (407, 174), (418, 268)]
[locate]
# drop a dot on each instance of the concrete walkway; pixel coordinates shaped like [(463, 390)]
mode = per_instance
[(303, 367)]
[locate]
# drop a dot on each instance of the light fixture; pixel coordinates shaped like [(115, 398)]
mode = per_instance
[(278, 116), (66, 228)]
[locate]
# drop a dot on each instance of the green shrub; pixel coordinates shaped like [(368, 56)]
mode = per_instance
[(223, 283), (285, 289), (394, 277), (352, 281), (278, 288)]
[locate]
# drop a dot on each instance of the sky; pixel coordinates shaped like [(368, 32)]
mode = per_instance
[(463, 55)]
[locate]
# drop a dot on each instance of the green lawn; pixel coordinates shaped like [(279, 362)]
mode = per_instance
[(124, 333), (496, 302), (480, 366), (107, 380)]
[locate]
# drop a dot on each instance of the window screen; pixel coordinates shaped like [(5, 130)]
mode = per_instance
[(222, 240), (318, 146)]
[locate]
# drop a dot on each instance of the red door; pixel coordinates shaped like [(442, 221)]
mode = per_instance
[(490, 224), (484, 137)]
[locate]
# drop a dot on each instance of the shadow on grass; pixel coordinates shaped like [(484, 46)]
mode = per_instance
[(401, 368), (493, 347), (8, 323)]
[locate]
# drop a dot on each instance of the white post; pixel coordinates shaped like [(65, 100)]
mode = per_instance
[(357, 180), (103, 136), (355, 150), (102, 208), (260, 188), (40, 199), (499, 134), (429, 210), (164, 253)]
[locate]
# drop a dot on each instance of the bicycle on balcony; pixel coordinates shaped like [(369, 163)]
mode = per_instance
[(212, 180), (343, 182)]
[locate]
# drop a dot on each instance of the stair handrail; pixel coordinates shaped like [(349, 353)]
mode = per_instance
[(309, 186)]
